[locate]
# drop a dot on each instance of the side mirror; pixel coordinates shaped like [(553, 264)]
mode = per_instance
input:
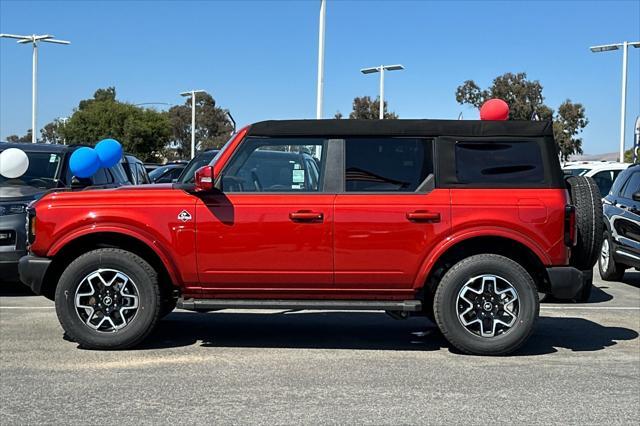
[(636, 196), (204, 179)]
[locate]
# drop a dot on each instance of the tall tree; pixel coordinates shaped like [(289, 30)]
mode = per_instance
[(365, 108), (568, 124), (50, 133), (213, 126), (526, 102), (142, 132)]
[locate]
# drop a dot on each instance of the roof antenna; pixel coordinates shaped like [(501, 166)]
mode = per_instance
[(460, 117)]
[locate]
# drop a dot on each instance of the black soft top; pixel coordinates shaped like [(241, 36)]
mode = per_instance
[(348, 127)]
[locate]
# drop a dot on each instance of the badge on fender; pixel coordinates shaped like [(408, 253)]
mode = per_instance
[(184, 216)]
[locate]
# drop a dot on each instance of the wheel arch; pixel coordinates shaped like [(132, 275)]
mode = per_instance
[(486, 244), (66, 253)]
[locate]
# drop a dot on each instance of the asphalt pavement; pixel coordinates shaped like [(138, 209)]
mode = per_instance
[(581, 366)]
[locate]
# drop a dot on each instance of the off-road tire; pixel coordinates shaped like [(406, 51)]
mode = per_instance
[(445, 305), (613, 271), (586, 198), (146, 281)]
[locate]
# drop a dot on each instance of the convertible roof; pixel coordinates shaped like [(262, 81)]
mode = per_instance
[(348, 127)]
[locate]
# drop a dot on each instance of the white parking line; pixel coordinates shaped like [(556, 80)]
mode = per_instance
[(595, 308), (27, 307)]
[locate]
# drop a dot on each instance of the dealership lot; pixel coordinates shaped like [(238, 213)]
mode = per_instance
[(582, 365)]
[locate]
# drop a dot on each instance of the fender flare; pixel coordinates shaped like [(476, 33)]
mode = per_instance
[(467, 234), (116, 228)]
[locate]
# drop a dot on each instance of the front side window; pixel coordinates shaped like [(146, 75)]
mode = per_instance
[(387, 164), (632, 186), (481, 162), (275, 165)]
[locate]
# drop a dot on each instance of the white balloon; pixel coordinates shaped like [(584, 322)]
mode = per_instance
[(13, 163)]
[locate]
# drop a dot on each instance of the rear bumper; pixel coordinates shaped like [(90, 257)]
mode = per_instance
[(32, 270), (566, 281)]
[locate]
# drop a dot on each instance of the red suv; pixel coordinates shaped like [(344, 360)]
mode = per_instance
[(463, 222)]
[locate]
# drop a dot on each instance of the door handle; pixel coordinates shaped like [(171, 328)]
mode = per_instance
[(423, 216), (306, 216)]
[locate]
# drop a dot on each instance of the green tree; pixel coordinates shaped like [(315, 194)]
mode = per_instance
[(20, 139), (213, 126), (365, 108), (142, 132), (526, 102), (50, 133)]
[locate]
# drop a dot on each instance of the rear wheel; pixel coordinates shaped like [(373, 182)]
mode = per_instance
[(486, 305), (607, 266), (108, 299)]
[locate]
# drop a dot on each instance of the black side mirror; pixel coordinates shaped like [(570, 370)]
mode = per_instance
[(636, 196)]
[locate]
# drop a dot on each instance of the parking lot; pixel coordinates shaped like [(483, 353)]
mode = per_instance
[(582, 365)]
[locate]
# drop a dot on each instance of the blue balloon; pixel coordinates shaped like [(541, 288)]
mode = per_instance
[(84, 162), (109, 151)]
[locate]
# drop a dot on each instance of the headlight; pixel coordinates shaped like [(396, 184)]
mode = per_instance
[(7, 209)]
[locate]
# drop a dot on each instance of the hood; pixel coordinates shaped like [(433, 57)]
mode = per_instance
[(20, 193)]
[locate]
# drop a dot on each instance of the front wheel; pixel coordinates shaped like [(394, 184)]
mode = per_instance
[(607, 266), (108, 299), (486, 305)]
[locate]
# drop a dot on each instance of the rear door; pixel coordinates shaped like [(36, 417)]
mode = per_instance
[(626, 224), (388, 216)]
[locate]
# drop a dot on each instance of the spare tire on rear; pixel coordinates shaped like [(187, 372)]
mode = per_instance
[(586, 198)]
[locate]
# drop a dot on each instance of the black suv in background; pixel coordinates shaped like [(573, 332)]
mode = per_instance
[(48, 169), (621, 244)]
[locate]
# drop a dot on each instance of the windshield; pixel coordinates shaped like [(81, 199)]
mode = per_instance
[(574, 172), (43, 171), (188, 174)]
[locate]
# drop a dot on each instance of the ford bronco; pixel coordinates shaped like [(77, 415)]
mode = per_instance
[(463, 222)]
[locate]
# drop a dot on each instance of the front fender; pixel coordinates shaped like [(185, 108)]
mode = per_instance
[(123, 229)]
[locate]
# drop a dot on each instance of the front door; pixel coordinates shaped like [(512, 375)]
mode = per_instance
[(270, 230), (388, 217)]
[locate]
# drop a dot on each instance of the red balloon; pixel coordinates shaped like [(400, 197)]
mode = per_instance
[(494, 109)]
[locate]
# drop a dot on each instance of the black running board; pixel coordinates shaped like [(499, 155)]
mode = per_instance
[(335, 305)]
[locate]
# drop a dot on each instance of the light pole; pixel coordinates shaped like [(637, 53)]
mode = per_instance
[(381, 69), (320, 88), (34, 39), (623, 104), (192, 93)]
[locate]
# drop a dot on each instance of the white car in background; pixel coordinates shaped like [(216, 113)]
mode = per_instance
[(603, 172)]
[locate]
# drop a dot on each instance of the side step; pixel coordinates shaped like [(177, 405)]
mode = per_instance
[(336, 305)]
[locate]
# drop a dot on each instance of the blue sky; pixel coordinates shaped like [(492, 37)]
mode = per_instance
[(259, 58)]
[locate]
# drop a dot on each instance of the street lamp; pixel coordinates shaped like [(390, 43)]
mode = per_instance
[(624, 45), (192, 93), (381, 69), (320, 88), (34, 39)]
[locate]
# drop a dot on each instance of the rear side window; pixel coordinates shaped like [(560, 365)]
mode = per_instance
[(605, 180), (387, 164), (482, 162)]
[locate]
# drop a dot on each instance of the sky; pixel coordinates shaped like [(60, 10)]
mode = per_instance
[(259, 58)]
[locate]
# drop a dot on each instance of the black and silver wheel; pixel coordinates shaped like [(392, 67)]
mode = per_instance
[(607, 266), (108, 299), (486, 305)]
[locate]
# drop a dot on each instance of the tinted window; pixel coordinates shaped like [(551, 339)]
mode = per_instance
[(632, 186), (498, 162), (275, 165), (117, 174), (101, 177), (605, 180), (141, 175), (390, 164), (41, 173)]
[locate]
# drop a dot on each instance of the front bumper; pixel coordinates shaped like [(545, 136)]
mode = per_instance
[(32, 271), (567, 282)]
